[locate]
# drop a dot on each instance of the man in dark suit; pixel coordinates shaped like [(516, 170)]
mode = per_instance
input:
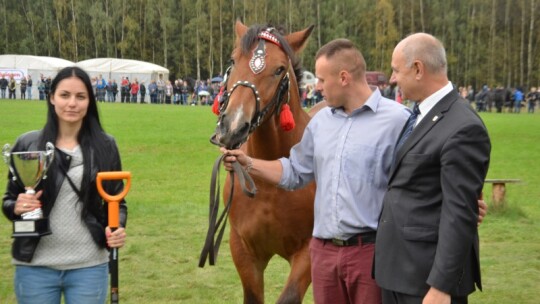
[(427, 239)]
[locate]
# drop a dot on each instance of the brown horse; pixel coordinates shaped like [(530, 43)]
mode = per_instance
[(260, 82)]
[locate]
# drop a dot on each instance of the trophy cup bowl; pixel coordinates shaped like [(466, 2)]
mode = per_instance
[(28, 168)]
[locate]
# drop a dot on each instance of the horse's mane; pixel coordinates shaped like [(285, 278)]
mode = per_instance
[(251, 37)]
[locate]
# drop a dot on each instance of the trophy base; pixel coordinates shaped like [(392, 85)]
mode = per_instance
[(31, 228)]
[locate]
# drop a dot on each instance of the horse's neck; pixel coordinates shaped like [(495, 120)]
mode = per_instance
[(269, 142)]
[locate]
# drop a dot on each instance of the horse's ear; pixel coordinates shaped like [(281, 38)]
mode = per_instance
[(297, 40), (240, 29)]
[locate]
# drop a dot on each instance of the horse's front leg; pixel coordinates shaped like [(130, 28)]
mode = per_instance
[(250, 268), (299, 277)]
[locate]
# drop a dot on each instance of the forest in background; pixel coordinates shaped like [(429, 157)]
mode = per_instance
[(487, 41)]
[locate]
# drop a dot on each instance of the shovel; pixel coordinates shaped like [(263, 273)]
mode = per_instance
[(114, 220)]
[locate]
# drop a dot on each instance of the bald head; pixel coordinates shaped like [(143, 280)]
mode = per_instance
[(425, 48)]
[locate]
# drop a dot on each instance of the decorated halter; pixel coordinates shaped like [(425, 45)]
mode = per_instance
[(257, 64)]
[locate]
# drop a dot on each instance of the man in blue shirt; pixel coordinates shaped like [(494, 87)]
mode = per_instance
[(100, 89), (347, 148), (518, 99)]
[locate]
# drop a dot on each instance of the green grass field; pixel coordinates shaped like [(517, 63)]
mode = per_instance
[(167, 150)]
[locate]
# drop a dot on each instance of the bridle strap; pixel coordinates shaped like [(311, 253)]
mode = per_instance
[(215, 225), (276, 101)]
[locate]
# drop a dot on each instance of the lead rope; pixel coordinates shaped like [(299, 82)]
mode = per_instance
[(211, 244)]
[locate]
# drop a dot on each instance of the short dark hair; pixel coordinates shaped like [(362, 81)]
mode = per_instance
[(351, 59)]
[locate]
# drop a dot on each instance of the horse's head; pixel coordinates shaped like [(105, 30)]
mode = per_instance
[(260, 81)]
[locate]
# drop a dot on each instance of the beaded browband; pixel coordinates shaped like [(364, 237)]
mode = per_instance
[(268, 36)]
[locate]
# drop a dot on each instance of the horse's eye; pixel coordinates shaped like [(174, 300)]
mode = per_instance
[(279, 71)]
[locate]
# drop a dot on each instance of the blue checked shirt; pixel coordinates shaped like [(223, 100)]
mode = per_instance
[(349, 156)]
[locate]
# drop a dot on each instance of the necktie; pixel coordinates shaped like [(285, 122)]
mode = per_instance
[(408, 127)]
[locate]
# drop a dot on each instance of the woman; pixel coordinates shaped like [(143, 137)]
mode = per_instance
[(73, 260), (168, 92)]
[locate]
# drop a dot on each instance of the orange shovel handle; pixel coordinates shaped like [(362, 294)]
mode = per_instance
[(113, 200)]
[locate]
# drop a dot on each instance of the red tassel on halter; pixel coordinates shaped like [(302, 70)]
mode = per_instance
[(215, 106), (286, 118)]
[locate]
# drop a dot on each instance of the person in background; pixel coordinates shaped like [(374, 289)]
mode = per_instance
[(184, 92), (176, 91), (22, 87), (29, 84), (499, 96), (518, 99), (125, 87), (108, 90), (168, 92), (73, 260), (101, 84), (152, 88), (114, 86), (160, 89), (310, 95), (427, 248), (3, 86), (134, 90), (47, 88), (41, 87), (532, 96), (94, 86), (12, 85), (142, 91)]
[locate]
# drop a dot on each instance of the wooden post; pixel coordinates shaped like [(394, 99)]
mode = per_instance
[(499, 190), (498, 194)]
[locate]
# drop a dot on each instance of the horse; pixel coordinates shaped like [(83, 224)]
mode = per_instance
[(261, 83)]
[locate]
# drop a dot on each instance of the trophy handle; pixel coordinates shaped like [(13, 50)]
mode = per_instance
[(49, 157), (6, 153)]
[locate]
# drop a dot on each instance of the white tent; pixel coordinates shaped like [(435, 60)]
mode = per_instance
[(113, 68), (22, 65)]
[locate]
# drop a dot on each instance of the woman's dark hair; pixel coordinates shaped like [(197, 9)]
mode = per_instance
[(92, 138)]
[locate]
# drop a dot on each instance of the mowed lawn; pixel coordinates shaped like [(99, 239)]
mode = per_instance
[(167, 150)]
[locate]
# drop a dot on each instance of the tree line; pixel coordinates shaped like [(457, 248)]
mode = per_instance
[(487, 41)]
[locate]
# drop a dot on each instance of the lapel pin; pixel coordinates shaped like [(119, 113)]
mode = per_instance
[(435, 118)]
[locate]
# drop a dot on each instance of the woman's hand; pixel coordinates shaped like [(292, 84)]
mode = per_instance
[(117, 238), (27, 202)]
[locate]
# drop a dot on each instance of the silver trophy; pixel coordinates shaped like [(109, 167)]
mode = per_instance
[(28, 168)]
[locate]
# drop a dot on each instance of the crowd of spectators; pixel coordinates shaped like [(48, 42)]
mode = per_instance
[(202, 92), (500, 99), (495, 99), (159, 91)]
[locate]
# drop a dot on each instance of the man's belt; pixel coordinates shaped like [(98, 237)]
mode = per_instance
[(361, 238)]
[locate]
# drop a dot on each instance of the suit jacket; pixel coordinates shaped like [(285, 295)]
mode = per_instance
[(427, 233)]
